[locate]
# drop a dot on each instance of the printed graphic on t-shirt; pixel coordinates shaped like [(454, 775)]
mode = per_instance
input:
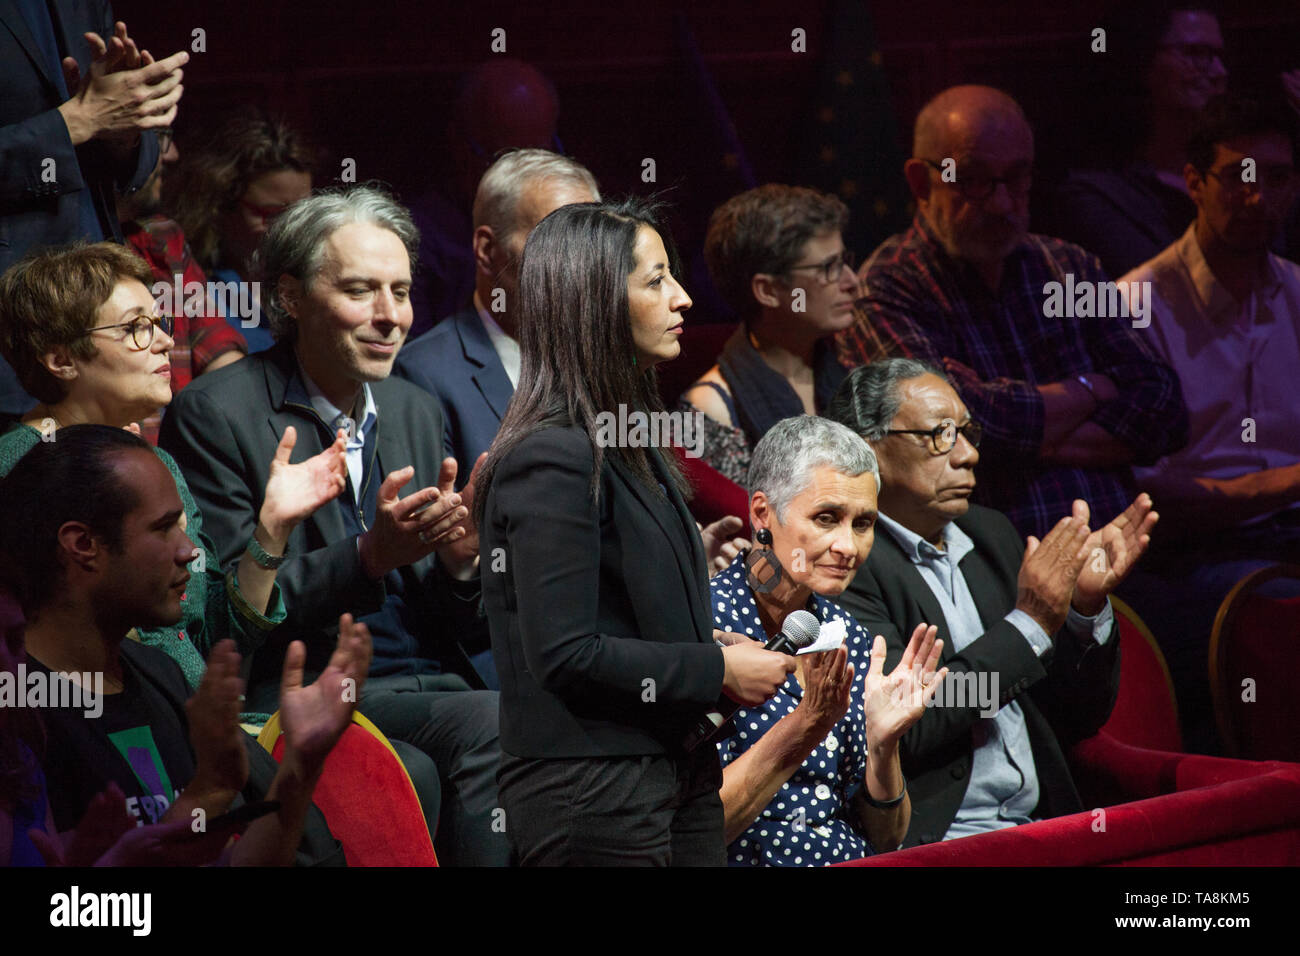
[(138, 749)]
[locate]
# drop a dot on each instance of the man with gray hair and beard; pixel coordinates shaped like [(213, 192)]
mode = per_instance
[(1029, 636), (336, 276)]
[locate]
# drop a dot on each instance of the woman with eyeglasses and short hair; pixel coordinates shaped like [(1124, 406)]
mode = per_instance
[(777, 256), (81, 330)]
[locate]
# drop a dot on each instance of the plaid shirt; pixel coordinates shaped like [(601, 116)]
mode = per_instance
[(199, 338), (917, 301)]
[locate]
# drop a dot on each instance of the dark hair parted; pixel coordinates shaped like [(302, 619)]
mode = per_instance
[(764, 230), (1236, 115), (576, 335), (50, 297), (68, 479), (869, 398)]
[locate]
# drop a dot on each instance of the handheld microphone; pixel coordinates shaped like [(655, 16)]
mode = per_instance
[(798, 630)]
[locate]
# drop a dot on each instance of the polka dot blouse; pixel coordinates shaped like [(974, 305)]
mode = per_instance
[(807, 822)]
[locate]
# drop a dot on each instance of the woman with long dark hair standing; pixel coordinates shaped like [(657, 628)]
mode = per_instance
[(594, 576)]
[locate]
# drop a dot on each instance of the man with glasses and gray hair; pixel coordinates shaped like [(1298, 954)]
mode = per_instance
[(1068, 397), (1029, 636), (398, 547), (471, 360)]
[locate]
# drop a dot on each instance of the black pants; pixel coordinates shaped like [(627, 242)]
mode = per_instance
[(458, 730), (654, 810)]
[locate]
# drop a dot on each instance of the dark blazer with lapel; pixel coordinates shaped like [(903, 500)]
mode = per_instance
[(456, 362), (1066, 696), (223, 430), (34, 212), (599, 612)]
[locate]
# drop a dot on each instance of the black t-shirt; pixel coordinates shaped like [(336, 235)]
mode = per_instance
[(140, 742)]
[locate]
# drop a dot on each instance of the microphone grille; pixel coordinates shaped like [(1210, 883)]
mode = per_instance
[(801, 628)]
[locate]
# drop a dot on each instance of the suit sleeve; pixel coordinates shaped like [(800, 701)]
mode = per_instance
[(24, 149), (317, 586), (553, 537), (1001, 650), (1081, 687)]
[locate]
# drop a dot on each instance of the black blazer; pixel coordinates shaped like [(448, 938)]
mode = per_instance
[(1065, 698), (599, 614), (223, 429)]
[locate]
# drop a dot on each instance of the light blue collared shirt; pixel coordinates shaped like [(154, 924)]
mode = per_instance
[(1003, 789), (336, 419)]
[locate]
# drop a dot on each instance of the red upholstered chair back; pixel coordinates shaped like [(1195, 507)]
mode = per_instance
[(1254, 653), (1146, 711), (701, 345), (367, 798), (715, 495)]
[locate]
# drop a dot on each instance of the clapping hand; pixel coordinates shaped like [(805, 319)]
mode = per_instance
[(458, 550), (314, 717), (827, 679), (408, 529), (213, 714), (1050, 569), (295, 491), (896, 701), (1111, 552)]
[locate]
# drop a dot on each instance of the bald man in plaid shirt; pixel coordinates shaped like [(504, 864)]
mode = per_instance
[(1069, 399)]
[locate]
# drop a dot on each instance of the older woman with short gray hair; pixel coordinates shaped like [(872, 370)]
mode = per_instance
[(812, 777)]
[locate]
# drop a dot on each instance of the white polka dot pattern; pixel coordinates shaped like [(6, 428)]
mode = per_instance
[(807, 822)]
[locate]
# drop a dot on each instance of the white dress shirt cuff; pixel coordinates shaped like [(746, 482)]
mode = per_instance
[(1038, 639), (1096, 627)]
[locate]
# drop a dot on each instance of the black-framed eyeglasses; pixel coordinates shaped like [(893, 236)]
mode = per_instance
[(141, 329), (1199, 55), (1275, 179), (832, 268), (977, 187), (943, 436)]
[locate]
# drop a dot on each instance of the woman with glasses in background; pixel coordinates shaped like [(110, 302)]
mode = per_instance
[(80, 328), (777, 256)]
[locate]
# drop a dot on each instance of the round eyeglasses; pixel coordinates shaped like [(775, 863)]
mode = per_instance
[(141, 329), (829, 272), (943, 437)]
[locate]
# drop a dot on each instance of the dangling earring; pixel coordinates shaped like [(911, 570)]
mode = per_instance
[(764, 571)]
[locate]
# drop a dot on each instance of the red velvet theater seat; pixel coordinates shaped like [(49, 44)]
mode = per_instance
[(1257, 639), (715, 496), (1146, 711), (367, 798), (1181, 810)]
